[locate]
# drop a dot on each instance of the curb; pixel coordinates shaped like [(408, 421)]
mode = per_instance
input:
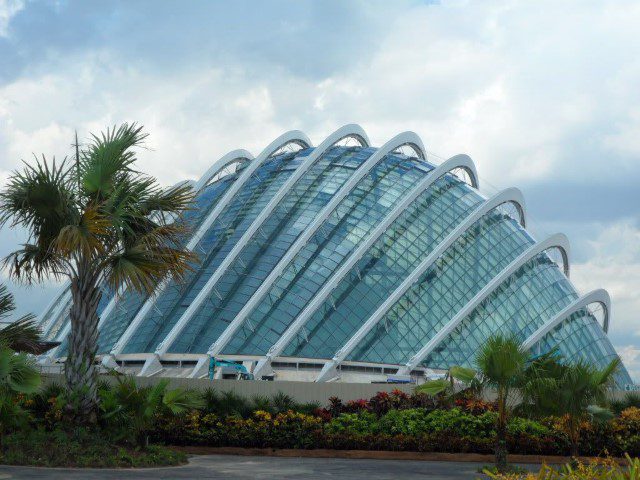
[(377, 455)]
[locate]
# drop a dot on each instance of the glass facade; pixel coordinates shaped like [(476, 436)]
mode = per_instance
[(214, 245), (294, 214), (473, 260), (520, 305), (580, 337), (413, 235), (530, 297)]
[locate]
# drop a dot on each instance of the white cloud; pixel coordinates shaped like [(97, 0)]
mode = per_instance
[(614, 264), (630, 356), (8, 8)]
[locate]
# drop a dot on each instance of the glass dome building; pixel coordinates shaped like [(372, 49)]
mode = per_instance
[(352, 263)]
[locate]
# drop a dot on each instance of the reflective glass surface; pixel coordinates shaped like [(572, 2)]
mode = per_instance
[(257, 190), (580, 337), (290, 218), (399, 250), (473, 260), (356, 215), (521, 304)]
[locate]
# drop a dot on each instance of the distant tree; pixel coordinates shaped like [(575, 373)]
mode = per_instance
[(91, 220)]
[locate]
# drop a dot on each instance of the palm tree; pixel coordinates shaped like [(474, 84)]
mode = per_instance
[(503, 363), (17, 375), (135, 406), (96, 219), (21, 335), (577, 391)]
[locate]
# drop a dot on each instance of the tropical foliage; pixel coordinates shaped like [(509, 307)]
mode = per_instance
[(132, 408), (17, 376), (91, 220), (22, 334), (605, 469), (577, 391)]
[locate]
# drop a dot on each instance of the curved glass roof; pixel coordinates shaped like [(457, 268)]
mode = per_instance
[(258, 297)]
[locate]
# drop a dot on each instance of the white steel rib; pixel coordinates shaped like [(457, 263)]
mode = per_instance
[(61, 302), (404, 139), (348, 131), (282, 141), (600, 296), (230, 158), (558, 241), (510, 195), (48, 311), (456, 162)]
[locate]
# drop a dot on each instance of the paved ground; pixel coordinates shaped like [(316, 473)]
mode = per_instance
[(230, 467)]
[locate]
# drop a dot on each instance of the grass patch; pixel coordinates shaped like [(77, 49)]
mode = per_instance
[(82, 450)]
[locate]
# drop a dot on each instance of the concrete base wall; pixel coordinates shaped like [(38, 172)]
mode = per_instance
[(300, 391)]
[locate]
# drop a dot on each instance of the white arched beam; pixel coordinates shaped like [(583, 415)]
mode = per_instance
[(457, 162), (596, 296), (236, 156), (404, 139), (558, 241), (57, 306), (292, 137), (511, 195), (348, 131)]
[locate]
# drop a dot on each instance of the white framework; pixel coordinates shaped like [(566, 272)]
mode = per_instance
[(600, 296), (295, 137), (559, 241), (510, 195), (348, 131), (403, 139), (457, 162)]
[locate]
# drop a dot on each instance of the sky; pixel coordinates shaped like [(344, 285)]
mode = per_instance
[(542, 95)]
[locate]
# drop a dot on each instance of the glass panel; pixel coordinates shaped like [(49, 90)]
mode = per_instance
[(476, 257), (359, 213), (526, 300), (296, 210), (397, 252)]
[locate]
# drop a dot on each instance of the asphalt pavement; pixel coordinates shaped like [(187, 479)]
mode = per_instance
[(230, 467)]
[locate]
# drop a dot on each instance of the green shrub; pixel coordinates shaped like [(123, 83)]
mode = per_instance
[(82, 449), (355, 423), (525, 426), (406, 422)]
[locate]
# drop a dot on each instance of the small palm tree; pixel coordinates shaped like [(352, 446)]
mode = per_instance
[(446, 386), (503, 363), (17, 375), (134, 407), (21, 335), (92, 220), (577, 391)]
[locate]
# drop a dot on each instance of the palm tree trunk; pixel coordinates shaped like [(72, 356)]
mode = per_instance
[(501, 433), (80, 372), (574, 437)]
